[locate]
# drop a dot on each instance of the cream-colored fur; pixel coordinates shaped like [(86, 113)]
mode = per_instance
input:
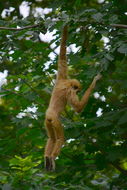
[(65, 91)]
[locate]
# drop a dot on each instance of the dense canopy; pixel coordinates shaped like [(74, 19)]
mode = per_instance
[(95, 153)]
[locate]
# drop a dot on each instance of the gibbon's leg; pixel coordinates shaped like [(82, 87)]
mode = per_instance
[(59, 135), (50, 143)]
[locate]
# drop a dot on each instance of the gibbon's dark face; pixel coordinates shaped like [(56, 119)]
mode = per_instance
[(76, 85), (76, 88)]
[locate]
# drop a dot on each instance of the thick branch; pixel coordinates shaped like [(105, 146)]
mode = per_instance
[(18, 29), (118, 25)]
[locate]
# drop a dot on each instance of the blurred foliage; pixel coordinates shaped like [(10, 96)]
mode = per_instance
[(94, 156)]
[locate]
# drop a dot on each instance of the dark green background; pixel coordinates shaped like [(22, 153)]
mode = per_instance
[(97, 158)]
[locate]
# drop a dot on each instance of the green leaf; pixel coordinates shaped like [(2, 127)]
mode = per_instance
[(123, 119), (114, 154), (122, 49), (97, 17), (7, 186), (21, 131), (109, 57)]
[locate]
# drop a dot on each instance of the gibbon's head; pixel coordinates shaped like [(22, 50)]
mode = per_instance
[(75, 84)]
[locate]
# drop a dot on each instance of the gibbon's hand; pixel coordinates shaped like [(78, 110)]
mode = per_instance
[(97, 77)]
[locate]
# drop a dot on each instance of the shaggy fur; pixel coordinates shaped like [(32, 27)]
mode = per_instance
[(65, 91)]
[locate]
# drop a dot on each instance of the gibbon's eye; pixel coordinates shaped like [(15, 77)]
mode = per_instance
[(75, 87)]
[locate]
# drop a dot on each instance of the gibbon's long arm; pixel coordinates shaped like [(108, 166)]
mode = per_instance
[(62, 60), (77, 104)]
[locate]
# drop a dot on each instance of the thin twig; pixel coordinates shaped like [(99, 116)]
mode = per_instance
[(37, 25), (117, 166), (20, 94), (119, 25), (114, 164), (53, 83), (32, 89), (19, 29)]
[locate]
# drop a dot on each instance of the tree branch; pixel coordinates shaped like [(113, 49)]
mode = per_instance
[(34, 90), (117, 166), (118, 25), (37, 25), (114, 164), (19, 29), (19, 94)]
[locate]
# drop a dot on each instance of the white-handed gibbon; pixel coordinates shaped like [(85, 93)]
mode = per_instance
[(65, 91)]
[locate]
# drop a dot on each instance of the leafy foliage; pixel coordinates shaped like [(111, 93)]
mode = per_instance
[(94, 155)]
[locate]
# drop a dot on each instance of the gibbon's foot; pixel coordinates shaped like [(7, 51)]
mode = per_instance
[(52, 162), (47, 163)]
